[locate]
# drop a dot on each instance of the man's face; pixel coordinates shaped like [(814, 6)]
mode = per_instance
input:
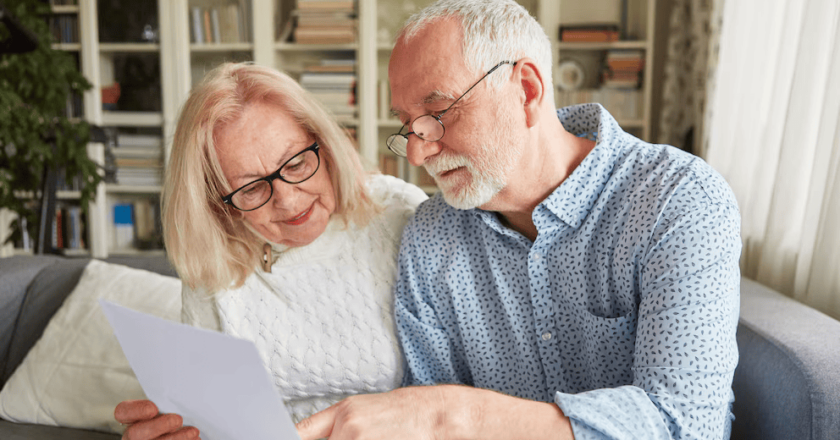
[(480, 147)]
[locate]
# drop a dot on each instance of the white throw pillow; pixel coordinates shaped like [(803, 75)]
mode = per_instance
[(76, 373)]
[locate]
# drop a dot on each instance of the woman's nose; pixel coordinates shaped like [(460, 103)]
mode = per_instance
[(285, 194)]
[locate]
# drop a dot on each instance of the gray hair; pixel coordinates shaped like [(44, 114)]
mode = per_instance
[(494, 31)]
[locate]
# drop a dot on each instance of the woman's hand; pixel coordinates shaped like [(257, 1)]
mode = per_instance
[(144, 422)]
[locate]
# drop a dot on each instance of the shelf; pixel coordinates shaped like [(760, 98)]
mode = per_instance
[(19, 251), (116, 188), (132, 119), (129, 47), (389, 123), (351, 122), (59, 195), (65, 9), (68, 195), (74, 252), (221, 47), (603, 46), (68, 47), (294, 47)]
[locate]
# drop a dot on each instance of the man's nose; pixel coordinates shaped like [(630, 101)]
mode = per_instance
[(418, 150)]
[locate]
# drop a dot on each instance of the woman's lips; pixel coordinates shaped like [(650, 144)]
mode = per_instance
[(300, 218)]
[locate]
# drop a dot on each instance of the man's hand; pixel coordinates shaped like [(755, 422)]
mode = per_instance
[(405, 413), (437, 412), (146, 423)]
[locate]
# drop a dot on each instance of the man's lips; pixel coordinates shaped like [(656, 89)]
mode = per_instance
[(450, 172), (300, 218)]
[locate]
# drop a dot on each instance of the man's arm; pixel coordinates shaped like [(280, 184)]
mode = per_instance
[(685, 348), (437, 412)]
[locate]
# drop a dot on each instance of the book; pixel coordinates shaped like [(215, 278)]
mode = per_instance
[(208, 27), (197, 25), (214, 24), (589, 33)]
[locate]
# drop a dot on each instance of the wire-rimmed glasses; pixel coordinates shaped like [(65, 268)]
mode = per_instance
[(428, 127), (295, 170)]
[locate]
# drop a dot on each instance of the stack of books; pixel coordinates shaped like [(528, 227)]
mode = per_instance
[(136, 224), (333, 82), (139, 160), (65, 28), (623, 69), (68, 228), (325, 22), (589, 33), (228, 23)]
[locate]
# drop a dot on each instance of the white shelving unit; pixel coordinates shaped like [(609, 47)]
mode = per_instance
[(183, 61)]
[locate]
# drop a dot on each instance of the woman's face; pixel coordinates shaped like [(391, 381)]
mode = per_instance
[(256, 145)]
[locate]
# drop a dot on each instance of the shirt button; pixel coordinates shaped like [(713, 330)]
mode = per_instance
[(546, 336), (536, 257)]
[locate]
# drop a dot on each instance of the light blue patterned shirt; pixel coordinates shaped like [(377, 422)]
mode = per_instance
[(623, 310)]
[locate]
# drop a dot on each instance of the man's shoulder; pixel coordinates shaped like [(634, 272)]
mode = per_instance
[(435, 218), (666, 170)]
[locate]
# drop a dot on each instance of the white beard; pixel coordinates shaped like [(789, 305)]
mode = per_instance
[(486, 170)]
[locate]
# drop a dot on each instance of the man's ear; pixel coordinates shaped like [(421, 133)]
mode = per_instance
[(533, 90)]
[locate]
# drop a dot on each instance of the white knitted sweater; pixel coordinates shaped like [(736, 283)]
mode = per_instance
[(322, 320)]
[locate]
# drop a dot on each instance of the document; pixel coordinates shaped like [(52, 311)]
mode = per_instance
[(216, 382)]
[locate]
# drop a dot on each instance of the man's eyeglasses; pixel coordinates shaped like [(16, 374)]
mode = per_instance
[(427, 127), (296, 170)]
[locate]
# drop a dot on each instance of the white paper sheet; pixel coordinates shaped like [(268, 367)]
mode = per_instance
[(216, 382)]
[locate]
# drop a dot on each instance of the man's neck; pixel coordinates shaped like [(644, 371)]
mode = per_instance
[(550, 160)]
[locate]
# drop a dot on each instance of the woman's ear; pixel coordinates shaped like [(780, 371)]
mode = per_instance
[(532, 88)]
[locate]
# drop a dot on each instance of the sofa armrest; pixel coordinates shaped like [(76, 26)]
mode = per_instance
[(787, 383)]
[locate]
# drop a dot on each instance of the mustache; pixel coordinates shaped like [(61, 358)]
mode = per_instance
[(443, 163)]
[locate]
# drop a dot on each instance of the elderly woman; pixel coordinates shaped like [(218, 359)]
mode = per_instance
[(281, 238)]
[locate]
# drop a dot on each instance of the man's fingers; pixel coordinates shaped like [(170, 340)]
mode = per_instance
[(152, 429), (318, 425), (133, 411)]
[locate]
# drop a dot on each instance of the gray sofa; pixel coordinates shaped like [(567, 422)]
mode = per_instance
[(787, 384)]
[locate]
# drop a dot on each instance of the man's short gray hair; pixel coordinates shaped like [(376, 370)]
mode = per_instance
[(494, 31)]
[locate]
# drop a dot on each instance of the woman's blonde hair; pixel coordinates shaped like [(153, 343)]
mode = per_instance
[(206, 240)]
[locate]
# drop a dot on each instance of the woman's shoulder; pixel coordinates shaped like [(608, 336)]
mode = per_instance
[(394, 193)]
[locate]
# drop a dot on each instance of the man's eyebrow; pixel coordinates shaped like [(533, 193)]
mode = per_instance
[(433, 97)]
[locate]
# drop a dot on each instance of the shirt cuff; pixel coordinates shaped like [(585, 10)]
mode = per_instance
[(612, 413)]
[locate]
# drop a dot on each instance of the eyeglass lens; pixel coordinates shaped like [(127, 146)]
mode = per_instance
[(426, 127), (298, 169)]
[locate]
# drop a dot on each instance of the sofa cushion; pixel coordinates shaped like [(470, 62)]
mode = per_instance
[(76, 373), (16, 273), (44, 296)]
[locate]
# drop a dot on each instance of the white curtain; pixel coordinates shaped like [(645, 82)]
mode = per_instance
[(773, 125)]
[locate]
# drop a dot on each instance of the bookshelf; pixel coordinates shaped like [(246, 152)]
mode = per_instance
[(634, 21), (110, 42)]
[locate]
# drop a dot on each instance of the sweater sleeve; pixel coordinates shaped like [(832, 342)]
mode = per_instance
[(198, 308)]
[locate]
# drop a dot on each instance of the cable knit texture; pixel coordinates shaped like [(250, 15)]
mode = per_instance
[(322, 320)]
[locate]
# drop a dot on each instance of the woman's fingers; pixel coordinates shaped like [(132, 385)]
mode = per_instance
[(133, 411), (158, 428)]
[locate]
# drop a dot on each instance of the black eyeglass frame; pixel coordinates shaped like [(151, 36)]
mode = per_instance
[(389, 142), (228, 199)]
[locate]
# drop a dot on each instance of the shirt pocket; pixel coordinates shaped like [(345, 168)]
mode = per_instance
[(608, 345)]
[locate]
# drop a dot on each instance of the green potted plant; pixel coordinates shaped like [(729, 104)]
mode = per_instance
[(35, 131)]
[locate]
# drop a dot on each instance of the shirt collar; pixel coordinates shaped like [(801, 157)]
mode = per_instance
[(574, 198)]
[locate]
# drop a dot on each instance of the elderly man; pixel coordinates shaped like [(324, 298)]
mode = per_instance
[(580, 282)]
